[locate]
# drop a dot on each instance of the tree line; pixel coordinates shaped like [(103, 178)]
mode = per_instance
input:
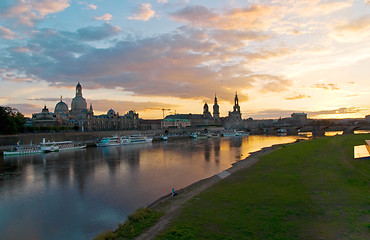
[(11, 120)]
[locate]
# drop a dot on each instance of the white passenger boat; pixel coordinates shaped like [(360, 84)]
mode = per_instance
[(44, 147), (23, 150), (68, 145), (59, 146), (124, 140), (133, 139), (47, 147)]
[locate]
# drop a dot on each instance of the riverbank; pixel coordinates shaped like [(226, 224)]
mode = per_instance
[(169, 207), (310, 190)]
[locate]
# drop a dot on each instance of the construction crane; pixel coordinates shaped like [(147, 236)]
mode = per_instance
[(163, 109)]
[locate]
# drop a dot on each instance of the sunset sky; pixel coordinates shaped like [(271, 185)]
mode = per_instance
[(280, 56)]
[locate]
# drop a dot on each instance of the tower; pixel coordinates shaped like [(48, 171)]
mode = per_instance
[(206, 112), (78, 90), (236, 114), (216, 109), (236, 103), (79, 105)]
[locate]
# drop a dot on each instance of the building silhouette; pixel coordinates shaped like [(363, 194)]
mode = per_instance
[(82, 117)]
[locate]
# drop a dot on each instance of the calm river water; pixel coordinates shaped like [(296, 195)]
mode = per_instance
[(78, 194)]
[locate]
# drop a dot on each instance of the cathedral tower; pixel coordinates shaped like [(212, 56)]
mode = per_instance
[(236, 114), (236, 103), (216, 109)]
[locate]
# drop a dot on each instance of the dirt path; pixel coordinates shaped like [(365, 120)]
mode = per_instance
[(171, 206)]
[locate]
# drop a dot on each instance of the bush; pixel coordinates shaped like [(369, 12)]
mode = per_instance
[(136, 223)]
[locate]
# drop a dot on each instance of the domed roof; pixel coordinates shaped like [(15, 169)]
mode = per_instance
[(61, 107), (111, 113), (78, 103)]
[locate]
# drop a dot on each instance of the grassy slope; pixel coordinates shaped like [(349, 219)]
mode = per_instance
[(310, 190)]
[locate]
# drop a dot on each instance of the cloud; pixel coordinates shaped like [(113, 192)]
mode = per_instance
[(271, 113), (254, 17), (316, 7), (103, 105), (329, 86), (21, 49), (271, 83), (271, 53), (124, 106), (105, 17), (184, 64), (349, 110), (92, 6), (27, 109), (300, 96), (98, 33), (143, 13), (355, 25), (7, 33), (27, 12)]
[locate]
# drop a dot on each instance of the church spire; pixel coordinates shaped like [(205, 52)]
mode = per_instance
[(236, 103), (78, 90), (216, 109)]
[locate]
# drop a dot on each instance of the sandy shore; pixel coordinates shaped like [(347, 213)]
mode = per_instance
[(171, 206)]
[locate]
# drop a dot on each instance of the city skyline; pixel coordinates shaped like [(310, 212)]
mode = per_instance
[(280, 56)]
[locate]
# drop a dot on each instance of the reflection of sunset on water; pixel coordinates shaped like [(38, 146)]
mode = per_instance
[(114, 181)]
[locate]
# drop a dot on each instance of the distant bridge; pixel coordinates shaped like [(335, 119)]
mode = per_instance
[(317, 130)]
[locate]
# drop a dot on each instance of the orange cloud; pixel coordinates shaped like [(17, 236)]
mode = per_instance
[(356, 25), (27, 12), (254, 17), (330, 86), (300, 96), (105, 17), (143, 13), (6, 33)]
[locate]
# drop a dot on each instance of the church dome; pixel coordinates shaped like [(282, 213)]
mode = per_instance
[(61, 107), (78, 104)]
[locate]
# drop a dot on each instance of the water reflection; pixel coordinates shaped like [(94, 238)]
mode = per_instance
[(77, 194)]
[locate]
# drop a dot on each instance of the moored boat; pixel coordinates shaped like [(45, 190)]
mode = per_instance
[(235, 134), (68, 145), (18, 150), (109, 141), (43, 147), (134, 139), (124, 140)]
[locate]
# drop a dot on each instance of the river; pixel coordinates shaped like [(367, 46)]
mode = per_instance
[(78, 194)]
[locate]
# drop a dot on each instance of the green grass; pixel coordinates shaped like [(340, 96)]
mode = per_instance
[(309, 190), (138, 222)]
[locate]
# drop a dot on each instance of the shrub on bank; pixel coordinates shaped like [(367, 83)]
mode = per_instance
[(136, 223)]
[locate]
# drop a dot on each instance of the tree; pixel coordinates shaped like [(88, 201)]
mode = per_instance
[(11, 121)]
